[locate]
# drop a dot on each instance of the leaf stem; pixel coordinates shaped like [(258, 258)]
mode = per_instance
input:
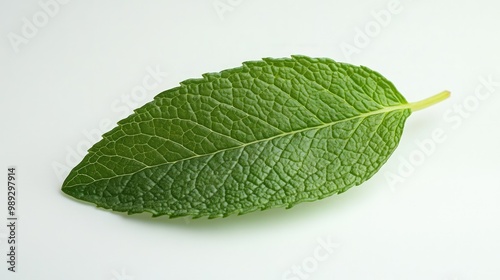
[(422, 104)]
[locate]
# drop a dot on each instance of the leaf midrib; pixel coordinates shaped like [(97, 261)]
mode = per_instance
[(361, 116)]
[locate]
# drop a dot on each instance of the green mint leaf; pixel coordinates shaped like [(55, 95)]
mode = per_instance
[(272, 133)]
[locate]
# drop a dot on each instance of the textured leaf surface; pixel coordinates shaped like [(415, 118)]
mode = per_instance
[(271, 133)]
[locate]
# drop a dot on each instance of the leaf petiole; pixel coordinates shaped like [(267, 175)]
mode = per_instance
[(422, 104)]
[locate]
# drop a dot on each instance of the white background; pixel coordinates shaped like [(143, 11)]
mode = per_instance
[(83, 63)]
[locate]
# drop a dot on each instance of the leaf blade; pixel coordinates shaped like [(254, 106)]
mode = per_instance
[(268, 102)]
